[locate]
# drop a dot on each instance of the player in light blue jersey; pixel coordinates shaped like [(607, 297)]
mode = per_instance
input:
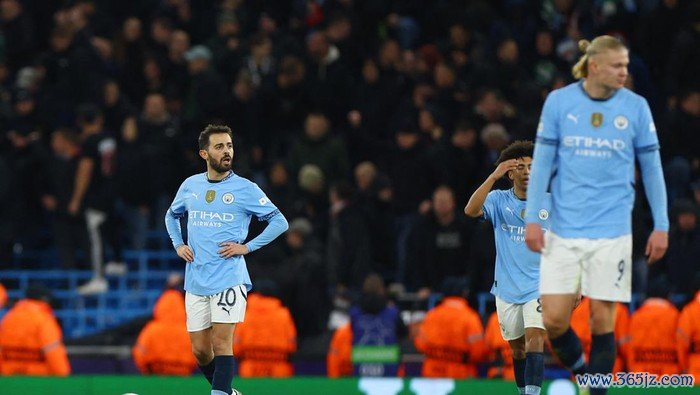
[(219, 205), (517, 275), (589, 136)]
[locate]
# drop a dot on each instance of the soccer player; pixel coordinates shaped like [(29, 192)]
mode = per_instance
[(219, 205), (517, 269), (589, 135)]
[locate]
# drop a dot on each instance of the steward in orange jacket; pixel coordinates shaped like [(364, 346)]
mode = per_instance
[(688, 338), (3, 296), (266, 339), (31, 340), (163, 346), (451, 336), (652, 346), (339, 359), (580, 323), (500, 355)]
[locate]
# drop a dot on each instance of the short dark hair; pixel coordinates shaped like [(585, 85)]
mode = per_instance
[(455, 286), (88, 113), (517, 149), (212, 129)]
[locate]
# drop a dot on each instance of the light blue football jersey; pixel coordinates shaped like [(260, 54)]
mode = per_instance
[(517, 276), (217, 212), (592, 179)]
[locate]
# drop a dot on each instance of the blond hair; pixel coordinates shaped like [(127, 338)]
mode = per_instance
[(591, 48)]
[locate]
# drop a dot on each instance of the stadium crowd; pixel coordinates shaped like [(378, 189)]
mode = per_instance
[(368, 123)]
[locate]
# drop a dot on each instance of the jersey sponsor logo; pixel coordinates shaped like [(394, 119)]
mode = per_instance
[(209, 219), (543, 214), (510, 210), (515, 233), (263, 200), (209, 197), (195, 196), (594, 146), (596, 119), (227, 198), (621, 122), (572, 117)]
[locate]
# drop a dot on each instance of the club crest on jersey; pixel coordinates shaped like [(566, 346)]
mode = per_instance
[(209, 197), (544, 214), (227, 198), (596, 119), (621, 122), (522, 213)]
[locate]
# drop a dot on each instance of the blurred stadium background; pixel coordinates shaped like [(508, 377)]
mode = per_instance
[(380, 101)]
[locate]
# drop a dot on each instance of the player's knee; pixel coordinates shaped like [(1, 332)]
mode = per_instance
[(518, 347), (602, 323), (555, 326), (222, 345), (535, 341), (204, 355)]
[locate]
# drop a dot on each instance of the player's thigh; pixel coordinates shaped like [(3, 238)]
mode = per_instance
[(201, 344), (198, 311), (222, 338), (556, 311), (228, 306), (510, 319), (607, 273), (560, 266), (602, 316)]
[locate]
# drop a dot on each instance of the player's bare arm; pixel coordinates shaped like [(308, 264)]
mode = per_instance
[(474, 207)]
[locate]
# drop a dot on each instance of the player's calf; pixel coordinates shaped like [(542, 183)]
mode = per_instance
[(568, 349), (534, 360)]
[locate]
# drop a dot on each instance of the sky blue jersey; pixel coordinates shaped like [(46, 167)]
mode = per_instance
[(517, 276), (217, 212), (585, 153)]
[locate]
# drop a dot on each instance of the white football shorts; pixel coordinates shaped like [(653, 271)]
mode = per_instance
[(513, 318), (599, 268), (226, 307)]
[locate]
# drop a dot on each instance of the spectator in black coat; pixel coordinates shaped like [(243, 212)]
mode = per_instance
[(18, 30), (69, 231), (206, 98), (349, 246), (684, 248), (440, 244)]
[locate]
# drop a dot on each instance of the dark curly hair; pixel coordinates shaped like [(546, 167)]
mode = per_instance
[(208, 131), (518, 149)]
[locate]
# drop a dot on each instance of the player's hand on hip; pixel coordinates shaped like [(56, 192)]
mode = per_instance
[(230, 249), (656, 246), (534, 237), (504, 167), (185, 252)]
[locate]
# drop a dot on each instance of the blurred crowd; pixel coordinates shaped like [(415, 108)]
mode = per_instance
[(368, 122)]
